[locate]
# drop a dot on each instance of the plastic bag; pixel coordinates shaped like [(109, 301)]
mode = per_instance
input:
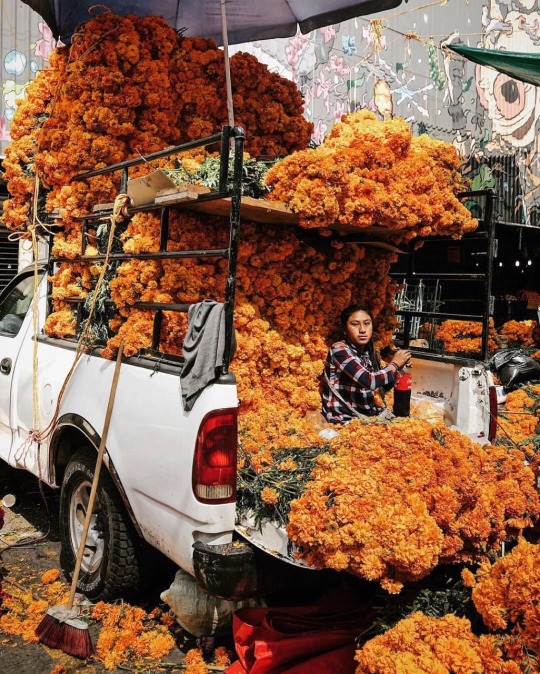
[(514, 368), (199, 613), (428, 409)]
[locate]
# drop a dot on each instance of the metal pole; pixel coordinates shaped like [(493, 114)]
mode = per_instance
[(490, 229), (230, 108), (230, 289)]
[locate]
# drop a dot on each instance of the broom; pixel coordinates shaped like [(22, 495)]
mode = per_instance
[(60, 627)]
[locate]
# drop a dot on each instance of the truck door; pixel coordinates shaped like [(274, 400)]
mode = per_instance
[(15, 326)]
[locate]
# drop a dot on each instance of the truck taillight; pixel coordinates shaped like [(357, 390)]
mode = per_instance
[(493, 413), (214, 465)]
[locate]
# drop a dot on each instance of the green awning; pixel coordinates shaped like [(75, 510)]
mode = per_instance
[(520, 66)]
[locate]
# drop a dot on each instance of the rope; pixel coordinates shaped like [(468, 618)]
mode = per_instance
[(415, 9), (83, 344)]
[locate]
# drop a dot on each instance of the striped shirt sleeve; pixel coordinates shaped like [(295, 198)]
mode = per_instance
[(352, 366)]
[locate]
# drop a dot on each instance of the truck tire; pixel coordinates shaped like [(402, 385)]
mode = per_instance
[(110, 565)]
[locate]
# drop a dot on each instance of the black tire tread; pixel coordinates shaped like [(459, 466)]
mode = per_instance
[(123, 573)]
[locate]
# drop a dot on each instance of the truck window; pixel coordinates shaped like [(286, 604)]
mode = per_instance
[(15, 304)]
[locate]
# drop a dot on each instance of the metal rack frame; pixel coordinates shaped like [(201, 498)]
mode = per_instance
[(485, 278), (228, 136)]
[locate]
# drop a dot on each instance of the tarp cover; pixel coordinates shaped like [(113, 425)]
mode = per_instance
[(247, 20), (518, 65)]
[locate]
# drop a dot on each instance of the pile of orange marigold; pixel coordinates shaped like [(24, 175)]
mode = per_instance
[(390, 502), (465, 336), (519, 423), (505, 594), (420, 644), (369, 172), (519, 333), (128, 86)]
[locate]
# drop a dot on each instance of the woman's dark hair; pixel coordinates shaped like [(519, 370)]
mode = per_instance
[(370, 347), (350, 310)]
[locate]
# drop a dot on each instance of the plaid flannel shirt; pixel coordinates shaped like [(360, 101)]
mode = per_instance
[(351, 374)]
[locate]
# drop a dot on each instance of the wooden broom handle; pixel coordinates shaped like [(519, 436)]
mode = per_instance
[(95, 479)]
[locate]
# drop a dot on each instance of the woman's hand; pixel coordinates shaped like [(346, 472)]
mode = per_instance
[(401, 357)]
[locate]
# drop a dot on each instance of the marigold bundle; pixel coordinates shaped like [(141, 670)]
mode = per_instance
[(128, 86), (369, 172), (519, 333), (506, 595), (519, 423), (391, 501), (127, 636), (195, 663), (423, 645), (465, 336)]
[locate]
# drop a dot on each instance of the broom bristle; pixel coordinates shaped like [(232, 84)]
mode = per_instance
[(60, 629), (77, 641), (49, 631)]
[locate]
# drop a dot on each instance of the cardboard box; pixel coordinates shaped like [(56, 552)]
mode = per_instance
[(143, 191)]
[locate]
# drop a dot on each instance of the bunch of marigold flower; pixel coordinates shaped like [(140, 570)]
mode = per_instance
[(128, 636), (423, 645), (519, 333), (391, 501), (369, 172), (506, 594), (465, 336), (519, 423), (127, 86)]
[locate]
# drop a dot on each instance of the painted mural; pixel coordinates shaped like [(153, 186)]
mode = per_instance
[(397, 64), (26, 45), (393, 64)]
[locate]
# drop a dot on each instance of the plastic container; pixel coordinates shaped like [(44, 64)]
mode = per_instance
[(402, 395)]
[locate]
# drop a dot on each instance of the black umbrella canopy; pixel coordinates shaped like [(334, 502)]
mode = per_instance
[(247, 20)]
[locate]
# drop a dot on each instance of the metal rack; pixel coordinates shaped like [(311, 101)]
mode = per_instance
[(228, 136), (411, 318)]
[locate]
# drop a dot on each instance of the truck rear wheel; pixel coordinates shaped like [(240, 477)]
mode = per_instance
[(110, 565)]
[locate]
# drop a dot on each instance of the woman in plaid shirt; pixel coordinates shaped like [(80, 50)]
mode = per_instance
[(353, 373)]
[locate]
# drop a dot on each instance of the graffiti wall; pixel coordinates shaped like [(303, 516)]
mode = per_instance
[(26, 45), (396, 64), (393, 64)]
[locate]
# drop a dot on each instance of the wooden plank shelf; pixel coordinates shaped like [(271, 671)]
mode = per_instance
[(261, 211), (254, 210)]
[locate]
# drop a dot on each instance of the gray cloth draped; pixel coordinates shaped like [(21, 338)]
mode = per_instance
[(203, 349)]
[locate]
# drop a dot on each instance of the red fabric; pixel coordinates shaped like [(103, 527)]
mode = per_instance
[(235, 668), (317, 639)]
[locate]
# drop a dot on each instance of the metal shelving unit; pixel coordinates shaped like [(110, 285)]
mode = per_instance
[(482, 280), (229, 136)]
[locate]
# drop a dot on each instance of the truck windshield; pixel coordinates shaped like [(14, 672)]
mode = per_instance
[(14, 305)]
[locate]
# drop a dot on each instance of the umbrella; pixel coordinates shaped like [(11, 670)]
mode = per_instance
[(225, 21), (247, 20)]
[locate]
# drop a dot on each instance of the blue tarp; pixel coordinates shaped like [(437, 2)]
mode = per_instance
[(247, 20)]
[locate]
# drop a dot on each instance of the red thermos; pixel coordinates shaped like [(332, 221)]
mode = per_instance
[(402, 394)]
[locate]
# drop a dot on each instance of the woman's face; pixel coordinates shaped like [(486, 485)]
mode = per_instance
[(359, 329)]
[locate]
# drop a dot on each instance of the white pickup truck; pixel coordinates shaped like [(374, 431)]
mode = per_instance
[(161, 482), (170, 475)]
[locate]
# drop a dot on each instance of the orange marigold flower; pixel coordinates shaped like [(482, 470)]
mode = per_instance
[(269, 495), (50, 576), (468, 578)]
